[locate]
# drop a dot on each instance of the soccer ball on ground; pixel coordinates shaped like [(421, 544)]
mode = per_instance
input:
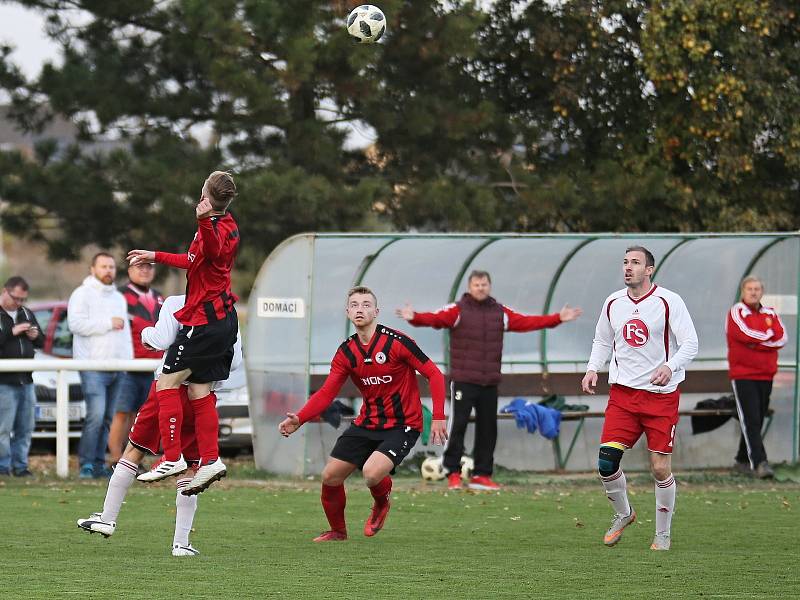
[(366, 23), (432, 469), (467, 467)]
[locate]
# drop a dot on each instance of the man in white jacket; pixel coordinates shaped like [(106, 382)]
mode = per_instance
[(97, 315)]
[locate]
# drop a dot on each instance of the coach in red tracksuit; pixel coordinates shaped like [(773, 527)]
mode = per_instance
[(755, 333)]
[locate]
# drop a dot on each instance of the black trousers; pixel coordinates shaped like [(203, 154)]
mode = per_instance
[(483, 398), (752, 402)]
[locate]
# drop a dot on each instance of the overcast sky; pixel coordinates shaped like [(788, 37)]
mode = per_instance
[(24, 29)]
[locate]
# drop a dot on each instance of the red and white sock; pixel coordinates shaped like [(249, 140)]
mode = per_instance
[(665, 504), (206, 425), (616, 487), (185, 507), (170, 420), (381, 491), (334, 500), (121, 479)]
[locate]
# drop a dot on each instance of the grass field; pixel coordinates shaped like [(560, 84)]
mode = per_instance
[(539, 538)]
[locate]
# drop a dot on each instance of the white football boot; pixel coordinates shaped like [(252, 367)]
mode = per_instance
[(189, 550), (206, 475), (163, 469), (94, 524)]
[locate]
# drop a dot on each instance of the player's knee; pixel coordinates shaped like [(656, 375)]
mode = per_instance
[(331, 477), (133, 454), (661, 472), (373, 476), (608, 460)]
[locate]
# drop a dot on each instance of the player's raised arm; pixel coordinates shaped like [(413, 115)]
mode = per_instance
[(444, 318)]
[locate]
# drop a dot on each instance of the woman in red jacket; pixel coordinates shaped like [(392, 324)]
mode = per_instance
[(755, 333)]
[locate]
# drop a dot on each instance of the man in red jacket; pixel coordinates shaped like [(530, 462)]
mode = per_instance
[(203, 350), (476, 324), (382, 363), (755, 333)]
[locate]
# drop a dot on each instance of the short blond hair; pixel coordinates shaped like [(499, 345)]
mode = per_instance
[(360, 289)]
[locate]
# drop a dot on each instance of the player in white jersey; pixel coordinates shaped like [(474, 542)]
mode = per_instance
[(145, 438), (647, 334)]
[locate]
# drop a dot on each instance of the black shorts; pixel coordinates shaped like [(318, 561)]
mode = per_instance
[(356, 444), (205, 349)]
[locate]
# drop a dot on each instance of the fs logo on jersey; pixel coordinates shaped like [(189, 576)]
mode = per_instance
[(635, 333), (380, 358)]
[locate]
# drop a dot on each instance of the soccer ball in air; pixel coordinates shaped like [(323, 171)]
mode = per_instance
[(432, 469), (366, 23)]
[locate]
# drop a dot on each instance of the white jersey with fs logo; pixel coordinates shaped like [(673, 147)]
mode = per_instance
[(638, 336)]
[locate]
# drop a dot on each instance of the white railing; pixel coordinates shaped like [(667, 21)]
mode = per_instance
[(61, 366)]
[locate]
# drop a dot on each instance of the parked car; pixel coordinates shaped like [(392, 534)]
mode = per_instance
[(233, 406), (52, 317), (235, 433)]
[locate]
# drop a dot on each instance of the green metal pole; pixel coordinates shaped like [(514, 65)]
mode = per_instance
[(307, 380), (796, 411), (753, 263), (666, 256), (551, 290)]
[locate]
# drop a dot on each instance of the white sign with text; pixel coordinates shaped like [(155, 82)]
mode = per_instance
[(281, 308)]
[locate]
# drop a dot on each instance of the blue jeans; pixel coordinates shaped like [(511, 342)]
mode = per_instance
[(16, 415), (133, 391), (100, 390)]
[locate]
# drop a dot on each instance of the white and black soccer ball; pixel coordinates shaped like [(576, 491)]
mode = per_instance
[(366, 23), (432, 469)]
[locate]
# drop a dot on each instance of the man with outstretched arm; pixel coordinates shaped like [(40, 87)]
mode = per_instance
[(382, 363)]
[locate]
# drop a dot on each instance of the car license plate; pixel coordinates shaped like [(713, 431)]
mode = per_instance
[(48, 412)]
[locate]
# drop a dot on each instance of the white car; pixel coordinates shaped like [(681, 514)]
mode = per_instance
[(52, 317), (233, 406)]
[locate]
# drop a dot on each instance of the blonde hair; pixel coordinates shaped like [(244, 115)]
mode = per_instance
[(360, 289), (750, 279), (222, 189)]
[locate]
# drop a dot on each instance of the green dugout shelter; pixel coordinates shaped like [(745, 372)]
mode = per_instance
[(296, 321)]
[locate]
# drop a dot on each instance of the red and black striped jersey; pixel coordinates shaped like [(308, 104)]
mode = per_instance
[(143, 310), (208, 265), (385, 372)]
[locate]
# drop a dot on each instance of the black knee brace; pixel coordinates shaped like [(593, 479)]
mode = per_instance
[(608, 460)]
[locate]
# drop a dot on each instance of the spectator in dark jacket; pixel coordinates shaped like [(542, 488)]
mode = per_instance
[(477, 323), (19, 335)]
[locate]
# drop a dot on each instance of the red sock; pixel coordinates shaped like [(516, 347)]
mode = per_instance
[(333, 502), (170, 419), (381, 491), (206, 425)]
